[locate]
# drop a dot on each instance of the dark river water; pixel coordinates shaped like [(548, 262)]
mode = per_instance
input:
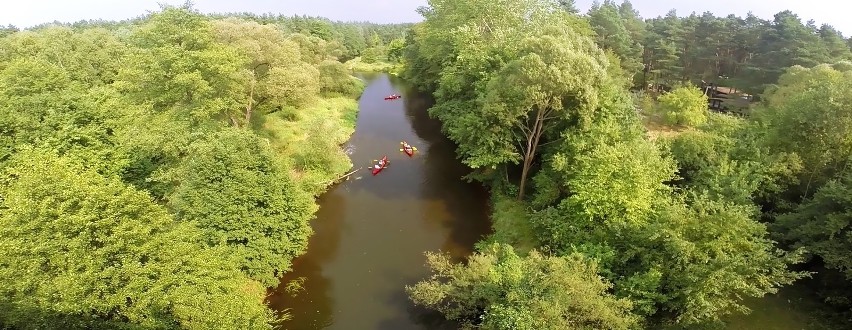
[(371, 232)]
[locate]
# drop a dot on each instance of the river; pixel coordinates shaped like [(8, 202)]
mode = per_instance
[(371, 232)]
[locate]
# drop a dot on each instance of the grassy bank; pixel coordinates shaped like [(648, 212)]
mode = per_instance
[(359, 66), (310, 139), (511, 223)]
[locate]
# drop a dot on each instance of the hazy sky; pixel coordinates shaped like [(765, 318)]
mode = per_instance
[(26, 13)]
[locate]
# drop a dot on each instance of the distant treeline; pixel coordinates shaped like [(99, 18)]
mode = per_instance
[(353, 38), (748, 52)]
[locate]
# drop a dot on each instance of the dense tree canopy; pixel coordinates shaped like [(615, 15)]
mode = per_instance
[(232, 187), (522, 292), (808, 115), (81, 250), (672, 224), (154, 169)]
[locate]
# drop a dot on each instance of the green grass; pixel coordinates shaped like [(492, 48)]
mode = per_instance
[(357, 65), (309, 143), (511, 224)]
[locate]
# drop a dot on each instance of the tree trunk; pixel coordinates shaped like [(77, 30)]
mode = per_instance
[(249, 106), (529, 154)]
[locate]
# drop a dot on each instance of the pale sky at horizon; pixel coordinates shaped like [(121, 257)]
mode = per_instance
[(24, 14)]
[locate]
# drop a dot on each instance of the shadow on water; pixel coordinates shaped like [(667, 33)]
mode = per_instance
[(315, 308), (371, 232), (425, 318), (444, 177)]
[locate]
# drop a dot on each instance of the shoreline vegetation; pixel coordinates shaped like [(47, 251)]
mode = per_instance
[(357, 65), (683, 168), (162, 172)]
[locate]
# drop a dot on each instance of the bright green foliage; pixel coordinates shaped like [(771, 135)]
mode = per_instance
[(548, 86), (697, 150), (376, 50), (712, 254), (823, 224), (146, 103), (276, 76), (350, 39), (501, 93), (310, 140), (40, 104), (395, 49), (808, 115), (600, 183), (86, 56), (726, 159), (694, 261), (294, 86), (179, 66), (684, 106), (231, 185), (706, 164), (79, 250), (313, 50), (335, 80), (453, 45), (603, 194), (604, 178), (505, 291), (678, 236)]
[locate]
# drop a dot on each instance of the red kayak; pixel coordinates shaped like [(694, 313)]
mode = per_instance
[(376, 168), (393, 97), (407, 150)]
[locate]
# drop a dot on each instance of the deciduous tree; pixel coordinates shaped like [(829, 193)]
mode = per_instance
[(231, 185), (498, 289), (80, 250), (684, 106)]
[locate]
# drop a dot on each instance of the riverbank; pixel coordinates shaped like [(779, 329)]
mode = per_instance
[(371, 232), (356, 65), (310, 139)]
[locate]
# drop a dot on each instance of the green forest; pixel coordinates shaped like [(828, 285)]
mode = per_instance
[(619, 201), (162, 172)]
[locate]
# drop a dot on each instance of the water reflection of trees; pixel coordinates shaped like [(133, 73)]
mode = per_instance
[(445, 202), (312, 307), (466, 203)]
